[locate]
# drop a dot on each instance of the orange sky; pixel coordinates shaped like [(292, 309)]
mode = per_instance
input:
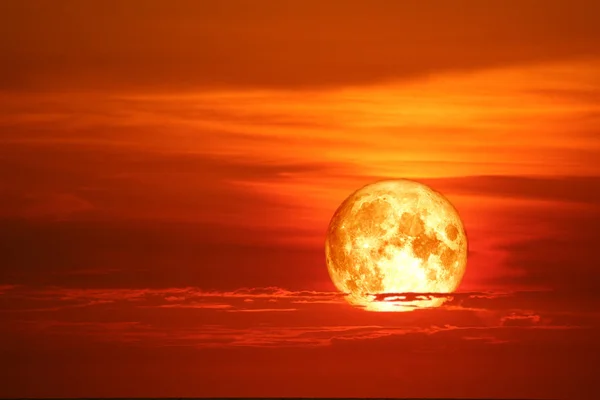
[(168, 170)]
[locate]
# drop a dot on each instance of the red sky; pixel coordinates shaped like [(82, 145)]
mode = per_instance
[(168, 170)]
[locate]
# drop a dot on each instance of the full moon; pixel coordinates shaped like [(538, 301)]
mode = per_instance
[(393, 237)]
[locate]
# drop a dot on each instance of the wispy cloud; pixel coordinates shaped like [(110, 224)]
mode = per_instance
[(521, 319), (241, 300), (255, 298), (199, 318), (7, 288), (293, 336)]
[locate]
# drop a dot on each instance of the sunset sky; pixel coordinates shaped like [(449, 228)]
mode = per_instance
[(169, 168)]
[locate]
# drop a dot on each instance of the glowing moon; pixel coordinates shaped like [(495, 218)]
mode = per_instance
[(395, 236)]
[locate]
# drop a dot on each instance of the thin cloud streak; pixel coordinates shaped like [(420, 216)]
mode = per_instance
[(222, 336)]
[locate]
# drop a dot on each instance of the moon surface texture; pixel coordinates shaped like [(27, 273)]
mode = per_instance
[(393, 237)]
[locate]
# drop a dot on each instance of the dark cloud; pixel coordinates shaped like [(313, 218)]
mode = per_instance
[(72, 208), (564, 258), (409, 297), (57, 179), (189, 44), (154, 254)]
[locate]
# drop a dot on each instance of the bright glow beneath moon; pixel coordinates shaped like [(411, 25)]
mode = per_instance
[(395, 237)]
